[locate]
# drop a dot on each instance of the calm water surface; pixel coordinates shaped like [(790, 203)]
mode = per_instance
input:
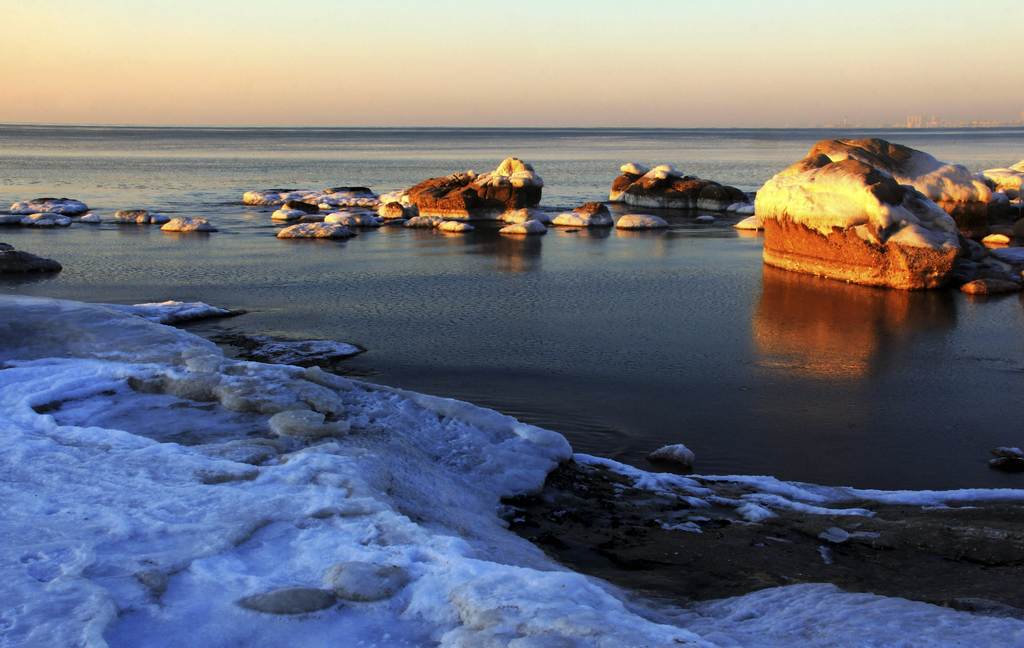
[(620, 341)]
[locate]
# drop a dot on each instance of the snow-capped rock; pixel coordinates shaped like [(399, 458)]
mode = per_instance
[(848, 220), (45, 220), (525, 228), (1008, 180), (90, 219), (640, 222), (140, 216), (513, 216), (749, 223), (465, 196), (316, 230), (392, 210), (188, 224), (287, 215), (665, 187), (353, 219), (676, 453), (591, 214), (62, 206), (424, 222), (457, 227)]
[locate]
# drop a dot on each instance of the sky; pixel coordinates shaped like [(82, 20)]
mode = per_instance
[(672, 63)]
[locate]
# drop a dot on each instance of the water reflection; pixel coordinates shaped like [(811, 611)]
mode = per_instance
[(830, 330), (515, 254)]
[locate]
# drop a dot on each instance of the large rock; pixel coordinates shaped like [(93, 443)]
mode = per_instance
[(16, 262), (850, 221), (951, 186), (62, 206), (464, 196), (664, 187)]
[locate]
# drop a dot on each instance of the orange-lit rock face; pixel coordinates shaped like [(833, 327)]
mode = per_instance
[(463, 196), (664, 187), (829, 330), (850, 221)]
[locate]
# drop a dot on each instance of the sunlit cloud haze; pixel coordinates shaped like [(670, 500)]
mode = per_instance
[(525, 63)]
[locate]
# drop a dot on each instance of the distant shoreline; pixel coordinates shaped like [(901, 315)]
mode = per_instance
[(629, 129)]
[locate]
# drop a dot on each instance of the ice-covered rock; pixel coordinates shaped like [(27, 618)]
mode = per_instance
[(16, 262), (45, 220), (316, 230), (62, 206), (591, 214), (848, 220), (392, 210), (174, 312), (272, 350), (1007, 181), (464, 196), (287, 215), (457, 227), (640, 222), (330, 198), (365, 581), (525, 228), (188, 224), (424, 222), (665, 187), (140, 216), (353, 219), (306, 423), (301, 205), (91, 219), (676, 453), (995, 240), (514, 216), (752, 223)]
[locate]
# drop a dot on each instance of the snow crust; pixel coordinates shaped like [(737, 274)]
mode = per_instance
[(363, 512)]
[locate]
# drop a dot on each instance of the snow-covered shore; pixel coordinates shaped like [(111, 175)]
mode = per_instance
[(146, 493)]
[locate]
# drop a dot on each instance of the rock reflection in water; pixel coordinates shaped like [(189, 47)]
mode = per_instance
[(830, 330)]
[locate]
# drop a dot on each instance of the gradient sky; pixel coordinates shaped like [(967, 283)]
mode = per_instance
[(524, 63)]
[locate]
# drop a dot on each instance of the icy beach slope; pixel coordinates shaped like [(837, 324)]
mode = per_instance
[(157, 493)]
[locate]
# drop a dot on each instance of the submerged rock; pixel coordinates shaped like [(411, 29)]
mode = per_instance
[(188, 224), (677, 454), (16, 262), (664, 187), (591, 214), (316, 230), (140, 216), (525, 228), (640, 222), (363, 581), (62, 206), (291, 600), (850, 221), (46, 219), (464, 196)]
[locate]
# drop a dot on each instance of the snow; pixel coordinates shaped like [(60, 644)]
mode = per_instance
[(640, 222), (45, 219), (316, 230), (374, 518), (515, 216), (511, 171), (62, 206), (525, 228), (188, 224), (1007, 180), (996, 239), (632, 168)]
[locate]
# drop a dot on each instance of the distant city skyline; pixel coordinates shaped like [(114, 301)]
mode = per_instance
[(392, 63)]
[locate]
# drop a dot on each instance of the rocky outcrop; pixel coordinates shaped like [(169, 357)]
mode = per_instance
[(847, 220), (664, 187), (951, 186), (17, 262), (62, 206), (467, 195)]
